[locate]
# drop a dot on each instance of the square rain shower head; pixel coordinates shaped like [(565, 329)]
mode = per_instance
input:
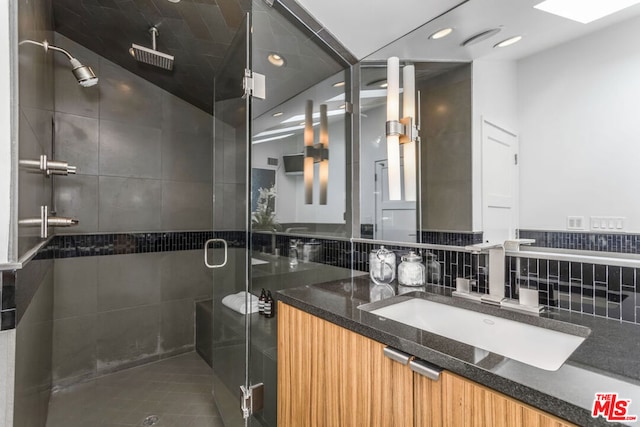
[(152, 57)]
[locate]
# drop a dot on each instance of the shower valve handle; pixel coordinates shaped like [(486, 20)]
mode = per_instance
[(49, 167)]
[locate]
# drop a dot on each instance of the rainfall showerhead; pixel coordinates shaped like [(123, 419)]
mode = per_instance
[(152, 56)]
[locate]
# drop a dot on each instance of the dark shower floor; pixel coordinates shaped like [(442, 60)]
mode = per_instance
[(176, 390)]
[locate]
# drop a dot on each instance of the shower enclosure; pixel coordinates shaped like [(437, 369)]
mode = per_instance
[(243, 258)]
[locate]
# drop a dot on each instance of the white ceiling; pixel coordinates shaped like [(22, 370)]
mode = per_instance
[(368, 29), (364, 26)]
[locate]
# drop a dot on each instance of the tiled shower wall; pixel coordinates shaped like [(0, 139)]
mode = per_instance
[(33, 345), (144, 160)]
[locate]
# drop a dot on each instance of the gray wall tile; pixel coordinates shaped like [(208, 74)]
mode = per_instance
[(234, 158), (128, 98), (76, 287), (128, 280), (33, 187), (186, 206), (74, 352), (77, 142), (70, 97), (40, 123), (130, 150), (180, 116), (76, 196), (34, 343), (229, 211), (129, 204), (177, 324), (184, 275), (127, 335), (35, 70), (186, 156)]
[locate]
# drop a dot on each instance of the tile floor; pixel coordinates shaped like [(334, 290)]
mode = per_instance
[(176, 390)]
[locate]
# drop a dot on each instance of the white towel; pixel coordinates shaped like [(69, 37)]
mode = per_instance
[(237, 302)]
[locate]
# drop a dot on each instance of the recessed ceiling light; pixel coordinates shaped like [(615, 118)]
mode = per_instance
[(277, 114), (508, 42), (276, 59), (584, 11), (338, 84), (444, 32), (174, 1), (477, 38)]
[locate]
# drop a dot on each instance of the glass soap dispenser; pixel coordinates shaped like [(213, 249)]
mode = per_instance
[(411, 271)]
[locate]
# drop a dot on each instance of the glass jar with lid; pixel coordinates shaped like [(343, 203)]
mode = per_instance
[(382, 265), (411, 271)]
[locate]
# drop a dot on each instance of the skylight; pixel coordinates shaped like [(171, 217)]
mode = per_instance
[(584, 11)]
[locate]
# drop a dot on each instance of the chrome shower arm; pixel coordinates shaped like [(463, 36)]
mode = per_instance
[(45, 44), (58, 49)]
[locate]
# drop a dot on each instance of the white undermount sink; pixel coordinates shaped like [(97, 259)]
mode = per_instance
[(540, 347)]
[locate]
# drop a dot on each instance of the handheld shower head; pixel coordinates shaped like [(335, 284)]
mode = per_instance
[(83, 73)]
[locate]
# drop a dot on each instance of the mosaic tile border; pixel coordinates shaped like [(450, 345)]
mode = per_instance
[(451, 238), (602, 242), (594, 289), (81, 245), (8, 295)]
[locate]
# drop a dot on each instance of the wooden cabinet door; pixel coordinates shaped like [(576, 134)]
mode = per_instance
[(466, 403), (427, 395), (329, 376)]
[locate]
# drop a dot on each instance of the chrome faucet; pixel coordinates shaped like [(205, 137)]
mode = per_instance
[(497, 267)]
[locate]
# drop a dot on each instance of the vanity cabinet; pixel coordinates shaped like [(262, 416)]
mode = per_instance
[(330, 376)]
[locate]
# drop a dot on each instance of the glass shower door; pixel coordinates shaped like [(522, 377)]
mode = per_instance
[(227, 254)]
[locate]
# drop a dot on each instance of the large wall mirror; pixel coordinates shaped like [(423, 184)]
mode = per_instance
[(537, 138), (280, 199)]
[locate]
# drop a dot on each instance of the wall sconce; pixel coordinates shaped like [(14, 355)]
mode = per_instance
[(316, 153), (401, 130)]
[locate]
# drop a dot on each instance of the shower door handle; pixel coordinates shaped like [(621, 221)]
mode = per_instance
[(206, 252)]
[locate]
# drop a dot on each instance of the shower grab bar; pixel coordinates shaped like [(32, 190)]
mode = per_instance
[(206, 252)]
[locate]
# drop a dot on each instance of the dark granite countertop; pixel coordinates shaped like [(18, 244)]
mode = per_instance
[(607, 361)]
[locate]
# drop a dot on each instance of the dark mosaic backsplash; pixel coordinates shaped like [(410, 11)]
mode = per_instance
[(451, 238), (597, 289), (620, 243)]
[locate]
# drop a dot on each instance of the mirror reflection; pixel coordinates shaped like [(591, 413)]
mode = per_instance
[(549, 126), (444, 153), (291, 193)]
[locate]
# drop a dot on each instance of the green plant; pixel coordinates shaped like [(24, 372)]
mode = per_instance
[(264, 218)]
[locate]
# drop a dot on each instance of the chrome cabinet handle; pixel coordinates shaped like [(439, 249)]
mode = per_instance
[(206, 251), (397, 355), (425, 369)]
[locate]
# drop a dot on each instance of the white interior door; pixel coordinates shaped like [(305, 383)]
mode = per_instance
[(395, 219), (499, 183)]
